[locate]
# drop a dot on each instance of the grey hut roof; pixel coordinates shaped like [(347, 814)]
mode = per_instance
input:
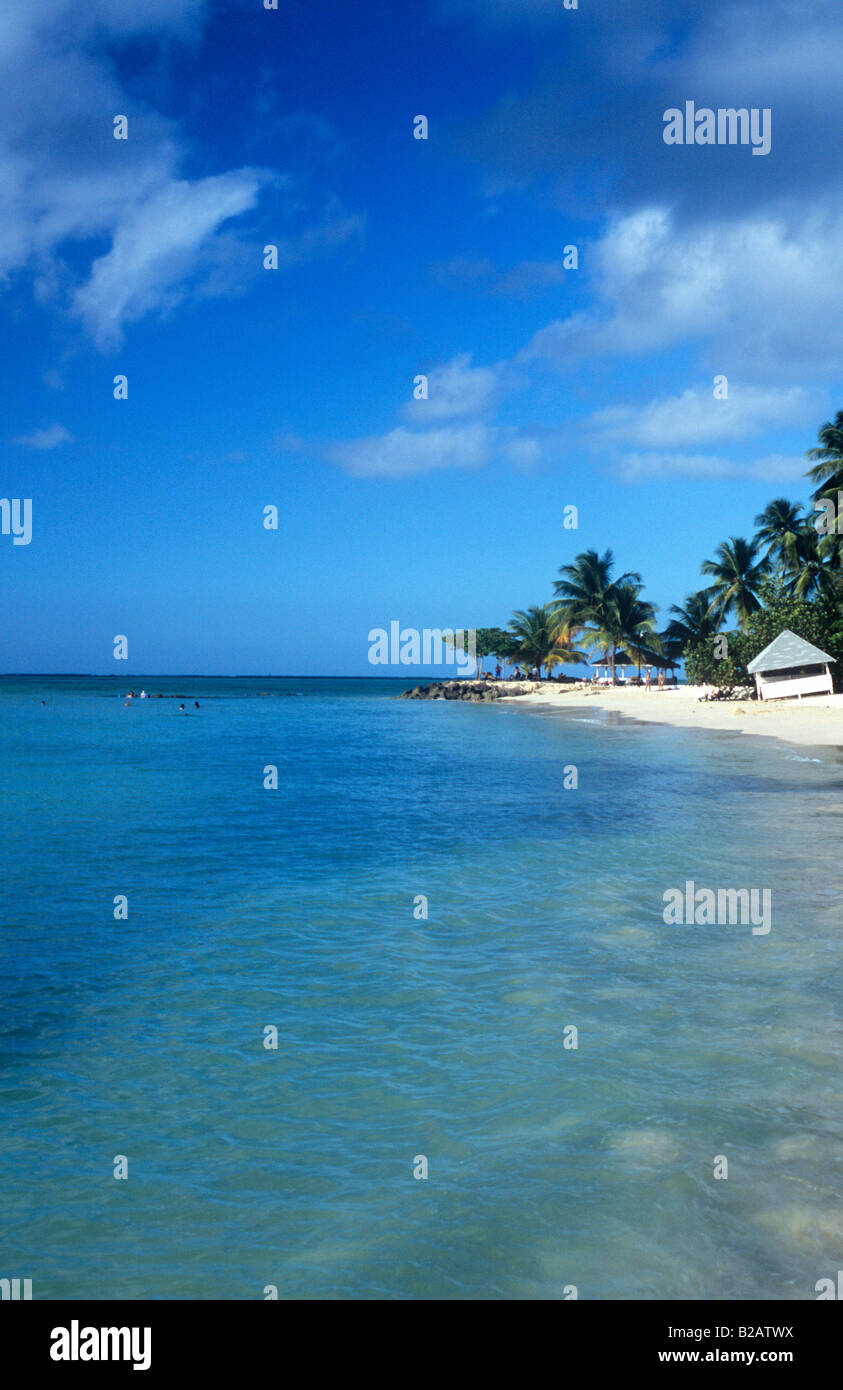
[(785, 651)]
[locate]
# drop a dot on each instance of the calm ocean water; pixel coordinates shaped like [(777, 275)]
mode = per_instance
[(400, 1037)]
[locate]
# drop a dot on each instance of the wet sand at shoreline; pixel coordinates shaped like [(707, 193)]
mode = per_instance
[(816, 720)]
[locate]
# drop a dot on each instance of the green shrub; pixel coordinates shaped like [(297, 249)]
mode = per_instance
[(816, 621)]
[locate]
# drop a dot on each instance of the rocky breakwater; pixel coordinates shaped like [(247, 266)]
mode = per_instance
[(480, 692)]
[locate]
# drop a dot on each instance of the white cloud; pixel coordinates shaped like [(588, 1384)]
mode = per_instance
[(153, 249), (457, 388), (697, 417), (25, 26), (403, 452), (66, 180), (48, 438), (759, 294), (783, 59), (523, 451), (772, 468)]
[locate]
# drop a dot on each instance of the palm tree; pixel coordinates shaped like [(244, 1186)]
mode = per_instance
[(737, 573), (781, 524), (565, 652), (673, 649), (817, 567), (541, 638), (692, 623), (637, 624), (629, 623), (827, 472), (587, 597)]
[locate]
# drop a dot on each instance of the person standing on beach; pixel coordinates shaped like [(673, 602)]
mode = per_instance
[(661, 680)]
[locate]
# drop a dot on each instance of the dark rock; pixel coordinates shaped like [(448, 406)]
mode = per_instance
[(479, 692)]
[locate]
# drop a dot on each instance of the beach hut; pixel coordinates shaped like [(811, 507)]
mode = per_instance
[(603, 660), (791, 666)]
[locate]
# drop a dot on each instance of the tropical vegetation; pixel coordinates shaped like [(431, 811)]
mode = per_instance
[(541, 637), (788, 574)]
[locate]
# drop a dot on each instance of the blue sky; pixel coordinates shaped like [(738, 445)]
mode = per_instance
[(294, 387)]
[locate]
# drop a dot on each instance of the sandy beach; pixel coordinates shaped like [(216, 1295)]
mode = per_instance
[(816, 720)]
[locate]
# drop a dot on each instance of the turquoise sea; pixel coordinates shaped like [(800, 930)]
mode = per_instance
[(548, 1166)]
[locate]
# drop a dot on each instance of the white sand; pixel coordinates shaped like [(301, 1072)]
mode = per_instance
[(817, 719)]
